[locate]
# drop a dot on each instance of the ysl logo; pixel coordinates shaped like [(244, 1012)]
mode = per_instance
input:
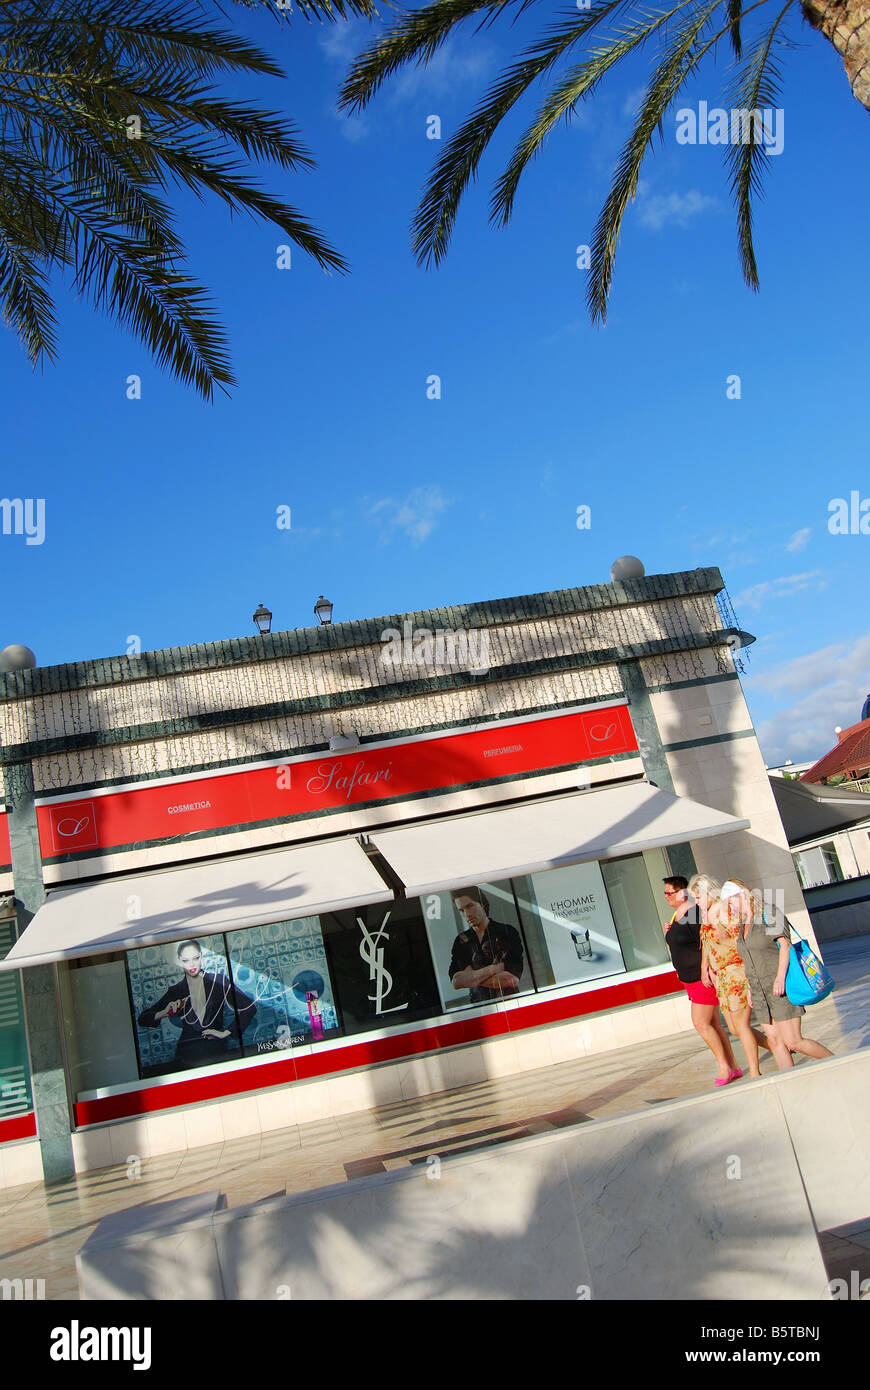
[(602, 733), (77, 826), (372, 951)]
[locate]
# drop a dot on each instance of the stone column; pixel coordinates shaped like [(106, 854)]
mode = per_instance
[(39, 984), (655, 759)]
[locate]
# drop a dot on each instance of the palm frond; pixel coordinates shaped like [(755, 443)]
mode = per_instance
[(757, 86), (319, 10), (27, 306), (457, 165), (666, 81), (77, 195), (575, 86), (146, 34), (415, 39), (734, 10)]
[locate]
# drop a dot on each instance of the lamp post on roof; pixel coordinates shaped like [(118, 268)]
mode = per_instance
[(263, 620)]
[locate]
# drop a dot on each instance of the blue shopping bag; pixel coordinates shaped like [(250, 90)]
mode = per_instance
[(807, 981)]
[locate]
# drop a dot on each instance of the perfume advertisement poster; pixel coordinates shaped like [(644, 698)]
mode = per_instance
[(186, 1010), (282, 968), (381, 966), (478, 948), (574, 914)]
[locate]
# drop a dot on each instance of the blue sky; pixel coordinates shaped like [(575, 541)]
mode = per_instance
[(161, 512)]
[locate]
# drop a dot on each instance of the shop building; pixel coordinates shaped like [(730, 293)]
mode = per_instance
[(264, 881)]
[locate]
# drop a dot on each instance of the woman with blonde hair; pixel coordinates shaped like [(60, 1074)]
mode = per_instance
[(765, 953), (722, 967)]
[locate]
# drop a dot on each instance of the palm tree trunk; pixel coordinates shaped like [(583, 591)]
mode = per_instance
[(846, 23)]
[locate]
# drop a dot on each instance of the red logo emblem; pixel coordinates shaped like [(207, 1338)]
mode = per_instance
[(73, 827)]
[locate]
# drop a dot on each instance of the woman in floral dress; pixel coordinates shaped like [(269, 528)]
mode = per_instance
[(722, 967)]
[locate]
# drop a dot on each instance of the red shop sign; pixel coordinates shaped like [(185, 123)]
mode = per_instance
[(319, 783)]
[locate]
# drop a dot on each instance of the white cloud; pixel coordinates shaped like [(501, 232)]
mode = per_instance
[(416, 516), (830, 684), (345, 39), (632, 102), (784, 587), (799, 540), (451, 69), (662, 209)]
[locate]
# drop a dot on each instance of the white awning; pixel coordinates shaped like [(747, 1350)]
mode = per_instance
[(545, 835), (198, 899)]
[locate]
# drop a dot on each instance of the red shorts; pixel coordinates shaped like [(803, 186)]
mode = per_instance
[(700, 993)]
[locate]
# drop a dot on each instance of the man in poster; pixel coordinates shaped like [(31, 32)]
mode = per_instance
[(487, 959)]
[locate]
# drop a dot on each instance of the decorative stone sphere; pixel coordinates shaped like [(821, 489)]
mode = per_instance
[(627, 567), (16, 658)]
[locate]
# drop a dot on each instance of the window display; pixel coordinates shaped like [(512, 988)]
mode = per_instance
[(282, 967), (188, 1011), (168, 1008), (571, 910), (477, 945), (381, 965)]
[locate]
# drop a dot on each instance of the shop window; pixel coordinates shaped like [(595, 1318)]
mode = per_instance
[(98, 1029), (631, 885), (381, 966), (818, 865), (15, 1097), (567, 913), (217, 998), (471, 930), (283, 968)]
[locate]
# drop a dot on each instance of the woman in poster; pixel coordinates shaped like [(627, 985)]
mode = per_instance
[(198, 1001)]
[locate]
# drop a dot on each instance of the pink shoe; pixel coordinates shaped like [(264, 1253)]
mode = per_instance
[(724, 1080), (735, 1075)]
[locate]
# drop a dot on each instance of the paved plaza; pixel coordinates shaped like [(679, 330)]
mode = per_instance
[(42, 1229)]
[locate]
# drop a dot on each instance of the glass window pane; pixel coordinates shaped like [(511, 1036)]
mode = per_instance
[(187, 1011), (283, 968), (15, 1096), (472, 930), (636, 911), (98, 1027), (380, 965), (832, 863), (570, 910)]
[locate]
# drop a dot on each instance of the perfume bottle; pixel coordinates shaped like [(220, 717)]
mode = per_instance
[(315, 1015), (582, 944)]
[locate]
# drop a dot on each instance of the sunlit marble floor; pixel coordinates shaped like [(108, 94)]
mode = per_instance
[(42, 1229)]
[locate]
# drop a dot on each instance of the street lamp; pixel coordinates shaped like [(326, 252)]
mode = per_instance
[(323, 610), (263, 620)]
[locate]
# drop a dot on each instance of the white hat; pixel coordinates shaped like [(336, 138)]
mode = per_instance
[(730, 889)]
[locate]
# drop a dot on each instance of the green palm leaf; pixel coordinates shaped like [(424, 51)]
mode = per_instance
[(682, 32), (79, 196), (433, 224), (757, 86), (668, 78)]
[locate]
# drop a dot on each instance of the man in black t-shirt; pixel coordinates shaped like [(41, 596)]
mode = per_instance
[(487, 959)]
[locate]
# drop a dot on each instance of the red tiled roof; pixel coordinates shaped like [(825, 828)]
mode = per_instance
[(852, 754)]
